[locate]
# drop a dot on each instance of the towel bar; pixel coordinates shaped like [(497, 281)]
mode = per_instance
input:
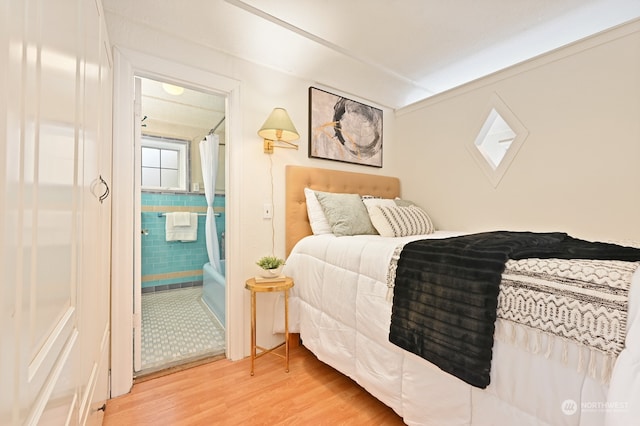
[(199, 214)]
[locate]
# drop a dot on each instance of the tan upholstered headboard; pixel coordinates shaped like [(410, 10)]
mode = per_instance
[(298, 178)]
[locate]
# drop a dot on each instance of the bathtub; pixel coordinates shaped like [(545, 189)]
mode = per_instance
[(213, 290)]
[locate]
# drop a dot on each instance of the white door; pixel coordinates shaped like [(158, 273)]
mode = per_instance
[(55, 121), (95, 256)]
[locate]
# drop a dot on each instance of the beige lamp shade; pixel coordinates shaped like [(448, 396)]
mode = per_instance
[(279, 127)]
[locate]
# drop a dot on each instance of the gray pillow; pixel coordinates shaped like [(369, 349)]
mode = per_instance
[(346, 214), (403, 203)]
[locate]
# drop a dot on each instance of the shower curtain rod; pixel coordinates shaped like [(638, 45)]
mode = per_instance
[(217, 125)]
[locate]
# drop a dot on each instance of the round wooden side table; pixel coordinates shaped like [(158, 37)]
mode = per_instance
[(284, 284)]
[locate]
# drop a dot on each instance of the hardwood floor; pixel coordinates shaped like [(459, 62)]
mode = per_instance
[(223, 393)]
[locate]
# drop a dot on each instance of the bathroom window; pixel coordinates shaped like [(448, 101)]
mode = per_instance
[(164, 164)]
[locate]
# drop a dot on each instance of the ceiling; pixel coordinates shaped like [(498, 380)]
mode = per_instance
[(187, 114), (408, 49)]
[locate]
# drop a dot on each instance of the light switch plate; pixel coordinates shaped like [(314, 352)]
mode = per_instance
[(267, 211)]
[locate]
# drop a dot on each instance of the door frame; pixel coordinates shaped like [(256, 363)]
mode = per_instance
[(127, 65)]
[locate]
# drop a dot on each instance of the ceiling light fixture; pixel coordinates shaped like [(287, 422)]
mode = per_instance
[(172, 89)]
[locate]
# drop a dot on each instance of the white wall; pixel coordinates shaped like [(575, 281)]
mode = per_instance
[(578, 170)]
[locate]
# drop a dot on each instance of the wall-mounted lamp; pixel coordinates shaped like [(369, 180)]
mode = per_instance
[(278, 131)]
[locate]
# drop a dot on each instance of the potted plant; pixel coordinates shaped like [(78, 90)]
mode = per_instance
[(270, 265)]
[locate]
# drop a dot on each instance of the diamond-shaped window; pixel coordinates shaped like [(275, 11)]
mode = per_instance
[(498, 141)]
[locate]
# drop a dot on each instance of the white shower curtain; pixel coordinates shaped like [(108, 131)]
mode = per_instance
[(209, 160)]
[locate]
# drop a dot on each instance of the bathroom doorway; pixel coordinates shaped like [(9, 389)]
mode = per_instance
[(179, 291)]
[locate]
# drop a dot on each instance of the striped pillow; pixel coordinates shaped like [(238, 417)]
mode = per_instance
[(399, 221)]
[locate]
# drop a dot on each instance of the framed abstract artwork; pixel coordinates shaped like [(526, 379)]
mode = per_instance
[(341, 129)]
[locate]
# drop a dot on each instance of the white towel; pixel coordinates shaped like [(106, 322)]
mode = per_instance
[(174, 232), (181, 218)]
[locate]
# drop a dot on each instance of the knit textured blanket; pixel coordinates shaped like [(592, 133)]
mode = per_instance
[(583, 301), (445, 298)]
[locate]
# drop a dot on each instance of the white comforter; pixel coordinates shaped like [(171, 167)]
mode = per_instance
[(339, 306)]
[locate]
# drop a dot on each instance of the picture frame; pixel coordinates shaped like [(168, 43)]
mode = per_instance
[(341, 129)]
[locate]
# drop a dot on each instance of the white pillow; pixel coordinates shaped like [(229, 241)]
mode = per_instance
[(396, 221), (317, 219)]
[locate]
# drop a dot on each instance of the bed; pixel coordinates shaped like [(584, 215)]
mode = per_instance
[(342, 305)]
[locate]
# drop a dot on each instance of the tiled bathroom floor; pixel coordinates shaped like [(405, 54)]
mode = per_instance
[(177, 327)]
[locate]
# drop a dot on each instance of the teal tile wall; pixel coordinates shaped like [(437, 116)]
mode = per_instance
[(160, 256)]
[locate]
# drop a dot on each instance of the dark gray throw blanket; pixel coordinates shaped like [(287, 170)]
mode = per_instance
[(446, 291)]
